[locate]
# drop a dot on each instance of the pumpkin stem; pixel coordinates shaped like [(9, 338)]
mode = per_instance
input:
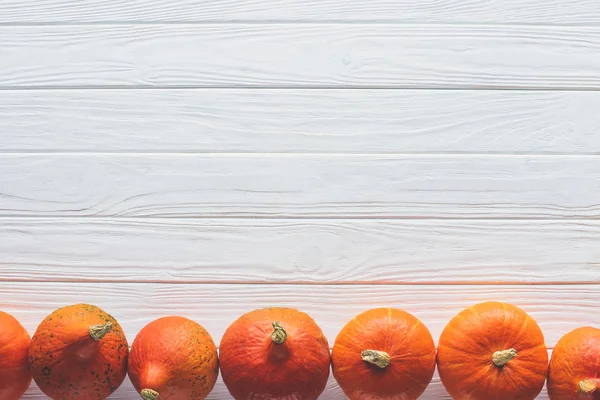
[(588, 386), (500, 358), (149, 394), (376, 357), (97, 332), (279, 335)]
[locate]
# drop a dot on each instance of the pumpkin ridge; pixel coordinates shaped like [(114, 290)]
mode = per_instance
[(399, 335), (468, 342), (15, 375), (475, 388), (408, 375), (297, 370), (467, 368), (453, 348), (171, 358), (67, 362), (524, 326)]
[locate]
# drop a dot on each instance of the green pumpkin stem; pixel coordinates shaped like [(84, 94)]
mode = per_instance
[(149, 394), (97, 332), (279, 335)]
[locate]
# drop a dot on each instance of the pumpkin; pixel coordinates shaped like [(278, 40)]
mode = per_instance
[(173, 358), (274, 353), (78, 352), (575, 366), (385, 354), (492, 351), (14, 349)]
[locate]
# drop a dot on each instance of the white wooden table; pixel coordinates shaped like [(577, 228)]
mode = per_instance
[(206, 158)]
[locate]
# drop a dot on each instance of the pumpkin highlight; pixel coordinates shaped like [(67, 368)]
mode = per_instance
[(173, 358), (385, 354), (275, 353), (14, 350), (78, 352), (574, 372), (492, 351)]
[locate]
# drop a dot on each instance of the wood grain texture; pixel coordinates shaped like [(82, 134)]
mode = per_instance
[(300, 55), (298, 251), (435, 391), (557, 309), (301, 121), (474, 11), (283, 185)]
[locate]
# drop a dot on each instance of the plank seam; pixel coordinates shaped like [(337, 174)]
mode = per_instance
[(303, 283), (158, 217), (295, 87), (227, 153), (271, 21), (473, 87)]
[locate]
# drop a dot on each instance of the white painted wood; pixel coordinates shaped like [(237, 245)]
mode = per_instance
[(301, 55), (298, 251), (474, 11), (297, 121), (557, 308), (435, 391), (283, 185)]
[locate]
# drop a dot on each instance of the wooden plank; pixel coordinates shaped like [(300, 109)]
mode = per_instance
[(435, 391), (557, 308), (300, 55), (300, 121), (284, 185), (299, 251), (473, 11)]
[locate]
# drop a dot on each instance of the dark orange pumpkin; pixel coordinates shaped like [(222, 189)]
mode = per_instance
[(492, 351), (14, 349), (275, 354), (78, 352), (173, 358), (575, 366), (384, 354)]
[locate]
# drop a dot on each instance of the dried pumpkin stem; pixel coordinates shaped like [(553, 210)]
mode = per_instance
[(588, 386), (97, 332), (279, 335), (149, 394), (376, 357), (500, 358)]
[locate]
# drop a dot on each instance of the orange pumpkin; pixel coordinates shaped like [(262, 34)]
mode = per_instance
[(575, 366), (78, 352), (173, 358), (384, 354), (275, 353), (14, 367), (492, 351)]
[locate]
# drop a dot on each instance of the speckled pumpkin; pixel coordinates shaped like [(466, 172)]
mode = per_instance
[(575, 366), (173, 358), (78, 352), (384, 354), (14, 349), (492, 351), (275, 354)]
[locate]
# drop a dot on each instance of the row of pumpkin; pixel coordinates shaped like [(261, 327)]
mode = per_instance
[(490, 351)]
